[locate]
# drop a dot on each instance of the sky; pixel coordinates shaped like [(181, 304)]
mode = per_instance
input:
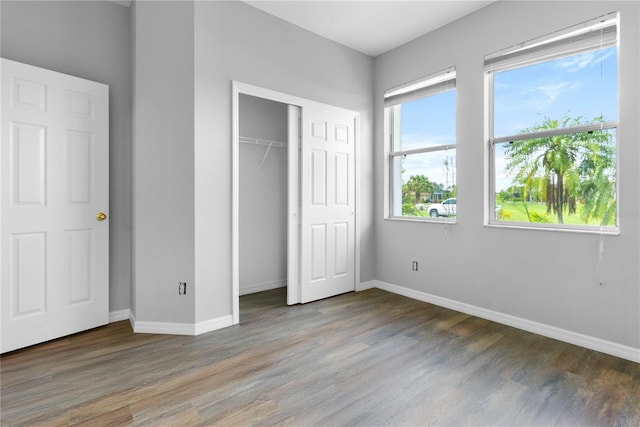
[(583, 85), (429, 122)]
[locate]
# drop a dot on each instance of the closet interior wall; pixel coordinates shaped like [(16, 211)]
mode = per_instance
[(263, 194)]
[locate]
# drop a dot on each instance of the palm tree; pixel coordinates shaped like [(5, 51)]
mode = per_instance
[(571, 166), (598, 187), (534, 189)]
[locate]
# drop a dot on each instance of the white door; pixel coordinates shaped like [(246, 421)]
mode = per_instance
[(327, 249), (54, 234)]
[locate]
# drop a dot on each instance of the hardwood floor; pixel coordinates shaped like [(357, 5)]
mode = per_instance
[(361, 359)]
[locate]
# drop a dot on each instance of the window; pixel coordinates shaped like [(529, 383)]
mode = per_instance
[(553, 116), (421, 121)]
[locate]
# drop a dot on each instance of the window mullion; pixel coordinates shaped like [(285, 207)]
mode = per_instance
[(423, 150), (592, 127)]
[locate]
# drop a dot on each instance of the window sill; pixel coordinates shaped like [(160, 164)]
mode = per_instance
[(440, 220), (610, 231)]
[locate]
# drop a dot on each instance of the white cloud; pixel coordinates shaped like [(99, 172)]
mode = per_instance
[(552, 91), (534, 98), (584, 60)]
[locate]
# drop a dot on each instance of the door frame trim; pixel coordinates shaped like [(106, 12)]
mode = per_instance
[(237, 89)]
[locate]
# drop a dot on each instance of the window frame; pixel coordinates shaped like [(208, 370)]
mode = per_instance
[(554, 52), (422, 88)]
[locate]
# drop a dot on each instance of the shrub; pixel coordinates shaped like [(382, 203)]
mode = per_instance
[(536, 217), (409, 209)]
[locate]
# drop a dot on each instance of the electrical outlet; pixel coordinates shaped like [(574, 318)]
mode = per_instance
[(182, 288), (414, 266)]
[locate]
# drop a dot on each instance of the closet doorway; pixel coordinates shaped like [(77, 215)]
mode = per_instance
[(295, 161), (263, 171)]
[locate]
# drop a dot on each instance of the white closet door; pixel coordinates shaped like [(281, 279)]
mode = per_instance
[(293, 203), (54, 237), (328, 204)]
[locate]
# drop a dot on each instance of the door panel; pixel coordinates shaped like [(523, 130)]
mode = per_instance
[(78, 274), (327, 253), (318, 178), (27, 160), (78, 154), (54, 179), (341, 179), (28, 95), (341, 255), (28, 256), (318, 252)]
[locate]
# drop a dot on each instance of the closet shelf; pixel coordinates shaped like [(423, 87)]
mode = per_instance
[(264, 142), (269, 144)]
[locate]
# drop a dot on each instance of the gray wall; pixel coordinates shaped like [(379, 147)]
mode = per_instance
[(263, 195), (163, 161), (234, 41), (89, 40), (547, 277), (182, 171)]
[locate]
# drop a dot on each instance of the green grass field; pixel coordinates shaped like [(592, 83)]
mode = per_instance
[(515, 212)]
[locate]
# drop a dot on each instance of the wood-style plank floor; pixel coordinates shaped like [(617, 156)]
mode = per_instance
[(360, 359)]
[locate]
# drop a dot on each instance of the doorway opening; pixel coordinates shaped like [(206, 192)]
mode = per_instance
[(263, 210)]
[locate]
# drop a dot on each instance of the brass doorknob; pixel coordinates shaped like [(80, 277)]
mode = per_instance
[(101, 216)]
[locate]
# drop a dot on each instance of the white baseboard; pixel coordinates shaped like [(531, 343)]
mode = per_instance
[(592, 343), (264, 286), (118, 315), (363, 286), (181, 328), (213, 324)]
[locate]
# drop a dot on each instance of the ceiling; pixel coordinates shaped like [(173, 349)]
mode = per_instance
[(372, 27)]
